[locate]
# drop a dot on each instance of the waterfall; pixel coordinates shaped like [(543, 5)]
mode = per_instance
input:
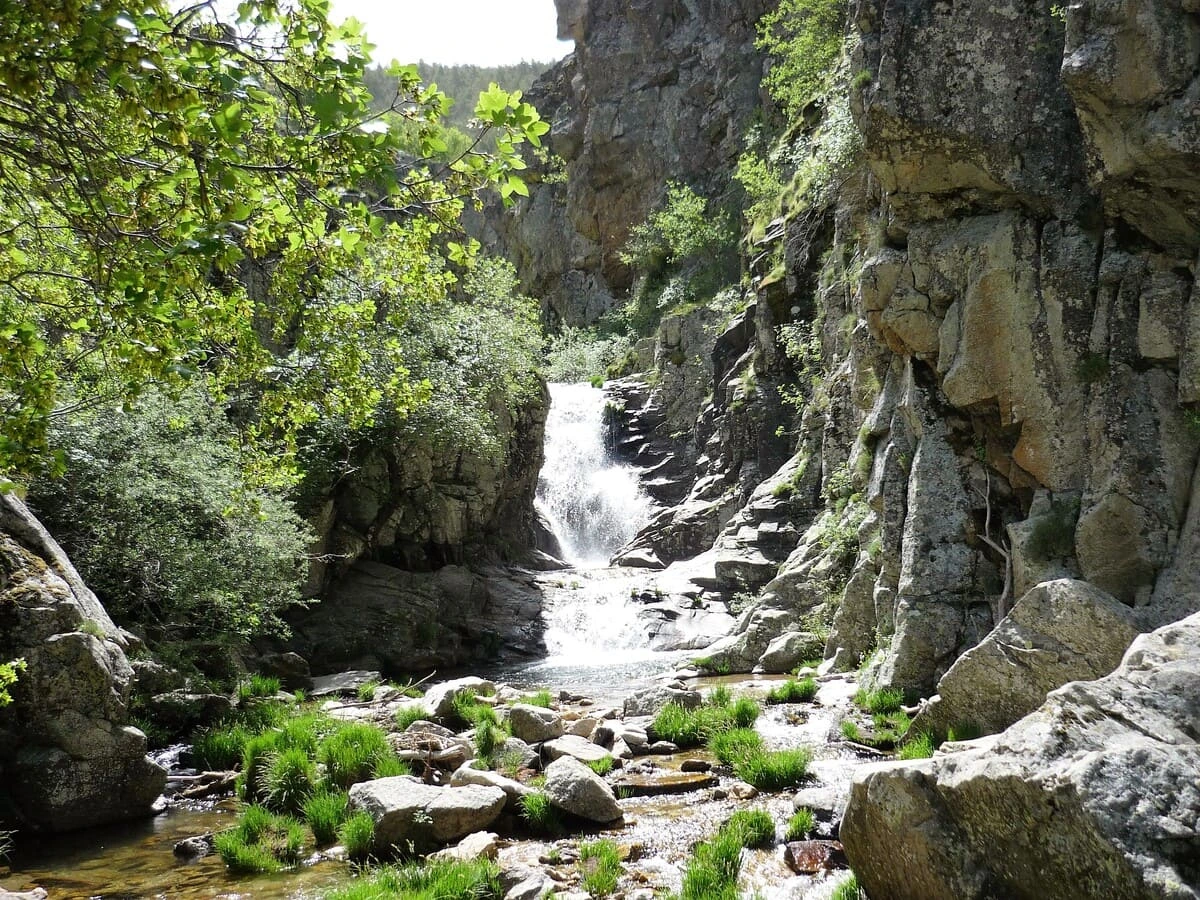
[(594, 504)]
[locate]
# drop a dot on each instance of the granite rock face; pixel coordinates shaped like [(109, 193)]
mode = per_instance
[(68, 757), (1093, 795)]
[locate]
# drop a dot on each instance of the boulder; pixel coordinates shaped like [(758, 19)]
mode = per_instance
[(534, 724), (69, 759), (789, 650), (580, 748), (183, 711), (439, 699), (513, 789), (649, 701), (290, 668), (1060, 631), (343, 683), (405, 809), (574, 788), (1091, 796), (480, 845)]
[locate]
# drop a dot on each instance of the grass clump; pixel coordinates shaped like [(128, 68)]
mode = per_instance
[(773, 770), (601, 766), (882, 701), (800, 825), (719, 696), (918, 747), (847, 890), (261, 842), (730, 746), (793, 691), (357, 834), (850, 731), (489, 738), (963, 731), (469, 711), (358, 752), (406, 715), (220, 749), (755, 827), (257, 686), (434, 879), (541, 698), (600, 866), (745, 712), (692, 727), (325, 812), (539, 814), (366, 691), (291, 778), (712, 872)]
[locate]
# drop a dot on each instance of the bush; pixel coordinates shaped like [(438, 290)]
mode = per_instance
[(600, 865), (773, 770), (577, 354), (793, 691), (357, 835), (712, 872), (800, 825), (755, 827), (156, 514), (325, 812), (804, 39), (730, 746)]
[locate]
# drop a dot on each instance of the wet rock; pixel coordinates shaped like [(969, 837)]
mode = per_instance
[(1091, 796), (192, 848), (739, 790), (405, 809), (649, 701), (480, 845), (577, 747), (534, 724), (576, 789), (1060, 631), (695, 765), (814, 857), (662, 748), (663, 783), (342, 683)]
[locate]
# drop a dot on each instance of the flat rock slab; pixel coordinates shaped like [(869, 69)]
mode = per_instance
[(342, 683), (405, 809), (580, 748), (813, 857), (667, 783)]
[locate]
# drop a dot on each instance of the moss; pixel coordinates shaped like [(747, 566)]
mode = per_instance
[(1093, 367)]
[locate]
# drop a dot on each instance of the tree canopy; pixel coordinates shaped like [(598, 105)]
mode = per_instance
[(176, 189)]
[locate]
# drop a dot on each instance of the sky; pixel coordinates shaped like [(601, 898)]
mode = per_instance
[(483, 32)]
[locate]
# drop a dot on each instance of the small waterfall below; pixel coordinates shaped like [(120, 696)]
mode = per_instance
[(594, 504)]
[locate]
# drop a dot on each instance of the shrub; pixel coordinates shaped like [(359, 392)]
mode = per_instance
[(804, 39), (773, 770), (918, 747), (538, 812), (755, 827), (712, 872), (291, 778), (793, 691), (730, 746), (800, 825), (353, 753), (600, 865), (156, 514), (577, 354), (325, 812), (357, 835)]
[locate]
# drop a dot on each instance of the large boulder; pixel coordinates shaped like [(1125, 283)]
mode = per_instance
[(648, 701), (405, 809), (576, 789), (534, 724), (1060, 631), (68, 758), (1092, 796), (439, 699)]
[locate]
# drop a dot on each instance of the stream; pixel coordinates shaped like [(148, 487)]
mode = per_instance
[(597, 647)]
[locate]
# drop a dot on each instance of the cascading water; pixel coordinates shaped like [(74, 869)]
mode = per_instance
[(594, 504)]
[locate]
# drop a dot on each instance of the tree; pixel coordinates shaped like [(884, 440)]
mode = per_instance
[(153, 163), (804, 39)]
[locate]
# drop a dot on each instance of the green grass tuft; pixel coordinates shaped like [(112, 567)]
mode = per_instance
[(257, 686), (730, 746), (406, 715), (847, 890), (220, 749), (774, 770), (755, 827), (850, 731), (882, 701), (918, 747), (261, 842), (366, 691), (712, 872), (800, 825), (745, 712), (719, 696), (793, 691), (600, 865), (541, 698), (540, 815), (601, 766), (355, 752), (963, 731), (291, 778), (357, 834), (325, 813)]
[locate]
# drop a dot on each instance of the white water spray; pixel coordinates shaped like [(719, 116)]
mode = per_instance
[(594, 504)]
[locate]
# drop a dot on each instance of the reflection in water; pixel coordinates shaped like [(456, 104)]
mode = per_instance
[(594, 504)]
